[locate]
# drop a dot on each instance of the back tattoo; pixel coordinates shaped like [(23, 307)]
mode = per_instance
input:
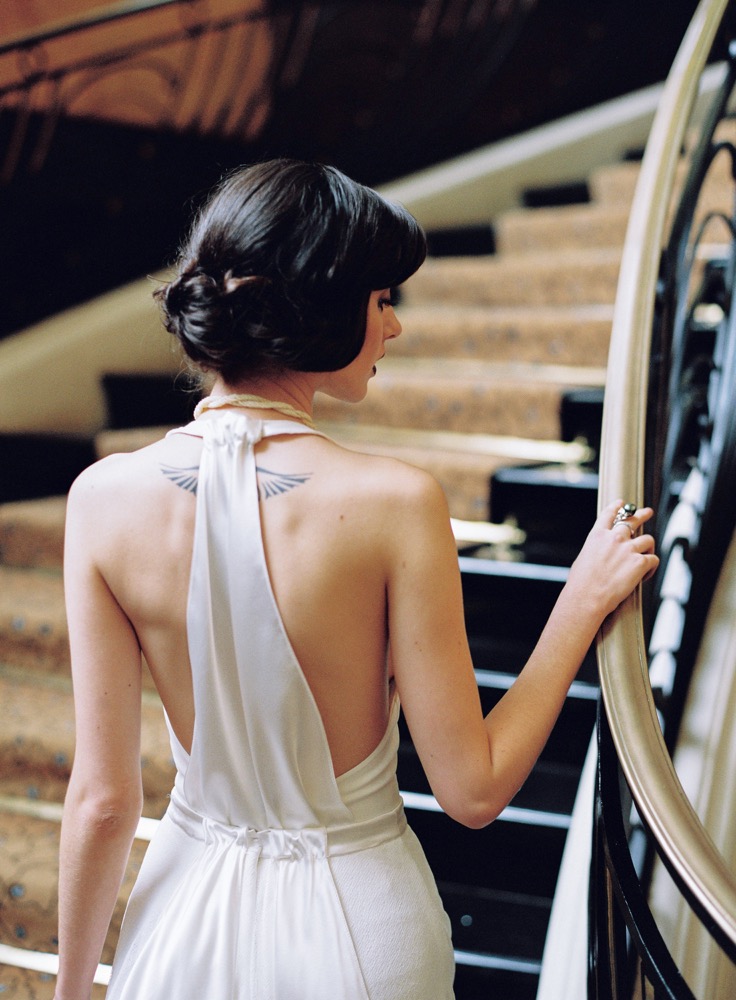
[(270, 484)]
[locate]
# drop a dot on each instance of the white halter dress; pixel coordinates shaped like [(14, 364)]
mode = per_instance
[(269, 878)]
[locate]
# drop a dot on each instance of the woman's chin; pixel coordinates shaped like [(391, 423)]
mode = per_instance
[(346, 394)]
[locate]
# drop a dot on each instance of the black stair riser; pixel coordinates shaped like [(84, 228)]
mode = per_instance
[(581, 416), (41, 465), (555, 506), (568, 742), (504, 602), (461, 241), (550, 787), (552, 784), (499, 923), (509, 657), (504, 856), (473, 983), (149, 400)]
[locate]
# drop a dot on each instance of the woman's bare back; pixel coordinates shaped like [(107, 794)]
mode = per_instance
[(326, 522)]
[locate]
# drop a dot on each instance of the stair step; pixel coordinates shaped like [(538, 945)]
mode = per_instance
[(566, 228), (26, 984), (570, 737), (39, 465), (113, 442), (555, 506), (32, 533), (616, 184), (505, 923), (581, 417), (37, 741), (33, 631), (33, 628), (29, 848), (550, 788), (464, 396), (507, 604), (476, 978), (502, 857), (539, 278), (563, 335), (139, 400)]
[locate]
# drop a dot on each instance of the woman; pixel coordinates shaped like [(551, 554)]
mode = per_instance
[(286, 593)]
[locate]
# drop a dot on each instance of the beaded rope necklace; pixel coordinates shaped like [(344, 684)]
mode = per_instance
[(255, 402)]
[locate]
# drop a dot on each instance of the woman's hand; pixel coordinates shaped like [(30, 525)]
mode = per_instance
[(614, 559)]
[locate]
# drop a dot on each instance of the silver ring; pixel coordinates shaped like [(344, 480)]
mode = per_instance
[(623, 514), (623, 524)]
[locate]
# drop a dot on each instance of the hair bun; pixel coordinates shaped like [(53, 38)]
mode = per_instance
[(214, 320), (231, 283), (189, 290)]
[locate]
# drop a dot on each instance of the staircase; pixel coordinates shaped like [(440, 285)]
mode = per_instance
[(497, 380)]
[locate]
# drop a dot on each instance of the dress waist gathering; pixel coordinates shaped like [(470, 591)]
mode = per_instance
[(282, 844)]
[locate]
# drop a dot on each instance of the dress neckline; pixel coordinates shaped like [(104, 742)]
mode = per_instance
[(252, 401)]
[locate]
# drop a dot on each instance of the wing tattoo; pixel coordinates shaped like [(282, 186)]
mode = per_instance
[(187, 477), (272, 484)]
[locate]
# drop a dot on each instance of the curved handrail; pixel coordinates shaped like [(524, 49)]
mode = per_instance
[(92, 19), (625, 686)]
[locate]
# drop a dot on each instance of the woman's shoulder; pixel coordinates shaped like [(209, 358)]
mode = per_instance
[(385, 472), (389, 485), (115, 477)]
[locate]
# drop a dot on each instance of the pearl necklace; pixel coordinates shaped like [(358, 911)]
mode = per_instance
[(255, 402)]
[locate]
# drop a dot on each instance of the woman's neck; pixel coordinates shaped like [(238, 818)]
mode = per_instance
[(295, 389)]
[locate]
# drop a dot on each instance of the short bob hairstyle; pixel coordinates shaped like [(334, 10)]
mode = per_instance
[(279, 267)]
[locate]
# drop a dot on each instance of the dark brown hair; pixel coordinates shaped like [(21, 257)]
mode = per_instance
[(279, 266)]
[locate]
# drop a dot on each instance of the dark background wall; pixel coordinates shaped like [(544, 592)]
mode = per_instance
[(373, 96)]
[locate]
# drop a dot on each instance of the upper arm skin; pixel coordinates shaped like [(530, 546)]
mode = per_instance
[(106, 660), (430, 656)]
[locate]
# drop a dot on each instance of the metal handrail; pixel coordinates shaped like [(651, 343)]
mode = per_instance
[(80, 22), (114, 53), (627, 694)]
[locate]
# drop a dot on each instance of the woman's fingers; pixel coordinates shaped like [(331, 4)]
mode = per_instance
[(617, 555), (624, 518)]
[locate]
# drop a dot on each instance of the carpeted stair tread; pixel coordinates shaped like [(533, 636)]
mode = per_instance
[(472, 398), (25, 984), (567, 334), (563, 227), (457, 395), (575, 226), (564, 278), (29, 848), (32, 533), (114, 442), (37, 741), (463, 371), (33, 630), (111, 442), (615, 184)]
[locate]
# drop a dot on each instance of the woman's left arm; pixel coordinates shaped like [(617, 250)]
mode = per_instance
[(104, 798)]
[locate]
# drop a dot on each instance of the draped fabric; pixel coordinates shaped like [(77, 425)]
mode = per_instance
[(269, 878)]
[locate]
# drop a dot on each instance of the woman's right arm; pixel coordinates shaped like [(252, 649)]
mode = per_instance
[(476, 765)]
